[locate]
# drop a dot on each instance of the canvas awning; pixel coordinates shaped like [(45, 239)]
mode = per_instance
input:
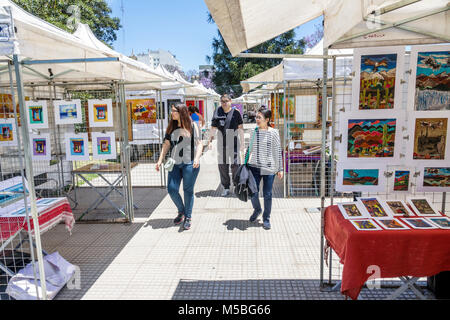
[(270, 77), (247, 23)]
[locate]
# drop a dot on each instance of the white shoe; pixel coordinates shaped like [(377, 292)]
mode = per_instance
[(225, 192)]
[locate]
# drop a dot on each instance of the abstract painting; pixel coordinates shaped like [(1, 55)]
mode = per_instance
[(397, 208), (364, 177), (392, 224), (104, 145), (68, 112), (352, 210), (7, 132), (11, 190), (430, 137), (401, 180), (77, 147), (40, 147), (360, 177), (442, 222), (37, 114), (365, 225), (100, 113), (419, 223), (422, 207), (373, 207), (143, 111), (434, 179)]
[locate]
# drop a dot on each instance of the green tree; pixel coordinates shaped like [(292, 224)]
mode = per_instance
[(230, 71), (95, 13)]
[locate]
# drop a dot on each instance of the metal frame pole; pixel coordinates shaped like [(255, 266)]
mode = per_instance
[(30, 176), (284, 136), (288, 149), (161, 121)]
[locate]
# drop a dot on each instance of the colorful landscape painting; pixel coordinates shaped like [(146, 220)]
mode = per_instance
[(401, 180), (364, 225), (443, 223), (352, 210), (398, 208), (361, 177), (371, 138), (423, 206), (391, 224), (419, 223), (433, 81), (430, 138), (68, 111), (377, 81), (374, 207), (436, 177), (142, 110)]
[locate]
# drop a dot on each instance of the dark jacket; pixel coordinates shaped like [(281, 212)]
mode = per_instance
[(244, 183)]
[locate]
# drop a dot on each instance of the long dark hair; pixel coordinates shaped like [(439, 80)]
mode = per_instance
[(185, 119)]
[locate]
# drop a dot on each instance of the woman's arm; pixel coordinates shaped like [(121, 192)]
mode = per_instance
[(278, 154), (199, 148), (165, 149)]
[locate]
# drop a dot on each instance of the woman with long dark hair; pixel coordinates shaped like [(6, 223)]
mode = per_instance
[(183, 140)]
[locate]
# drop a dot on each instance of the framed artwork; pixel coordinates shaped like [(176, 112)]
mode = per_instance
[(441, 222), (434, 179), (41, 147), (377, 81), (330, 107), (365, 225), (100, 113), (371, 138), (428, 138), (306, 109), (363, 178), (400, 180), (419, 223), (143, 111), (373, 207), (422, 207), (68, 112), (7, 132), (12, 190), (397, 208), (392, 224), (104, 146), (352, 210), (429, 86), (37, 114), (77, 147)]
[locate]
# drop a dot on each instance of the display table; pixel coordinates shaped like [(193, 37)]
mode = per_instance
[(400, 253)]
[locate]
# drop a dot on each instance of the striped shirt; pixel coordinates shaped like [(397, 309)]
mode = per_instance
[(266, 151)]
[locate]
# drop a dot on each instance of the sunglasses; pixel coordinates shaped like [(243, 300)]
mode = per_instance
[(224, 101)]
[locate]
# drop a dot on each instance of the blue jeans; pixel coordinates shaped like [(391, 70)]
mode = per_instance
[(187, 173), (267, 192)]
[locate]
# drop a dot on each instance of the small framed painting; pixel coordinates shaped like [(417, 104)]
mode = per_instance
[(352, 210), (441, 222), (104, 145), (392, 224), (7, 132), (397, 208), (434, 179), (352, 177), (37, 114), (419, 223), (422, 207), (400, 181), (68, 112), (41, 147), (365, 225), (100, 113), (77, 147), (373, 207)]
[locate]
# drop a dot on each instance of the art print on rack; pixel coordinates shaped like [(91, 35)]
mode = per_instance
[(68, 112), (352, 210), (77, 147), (434, 179), (373, 207), (37, 114), (104, 146), (397, 208), (100, 113), (357, 177), (7, 132), (40, 147)]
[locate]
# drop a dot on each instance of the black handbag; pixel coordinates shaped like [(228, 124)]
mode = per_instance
[(243, 179)]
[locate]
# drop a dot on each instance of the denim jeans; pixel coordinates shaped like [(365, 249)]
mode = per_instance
[(267, 192), (187, 173)]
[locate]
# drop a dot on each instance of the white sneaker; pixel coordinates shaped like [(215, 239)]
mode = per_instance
[(225, 192)]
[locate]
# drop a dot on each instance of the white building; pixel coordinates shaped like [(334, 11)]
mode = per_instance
[(155, 57)]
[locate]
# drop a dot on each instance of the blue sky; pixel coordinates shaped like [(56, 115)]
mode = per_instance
[(179, 26)]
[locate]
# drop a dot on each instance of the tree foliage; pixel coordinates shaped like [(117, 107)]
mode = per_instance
[(95, 13)]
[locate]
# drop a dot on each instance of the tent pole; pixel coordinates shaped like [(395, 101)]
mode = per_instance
[(30, 176), (284, 136)]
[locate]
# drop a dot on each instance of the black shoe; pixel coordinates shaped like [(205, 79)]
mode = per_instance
[(187, 224), (266, 225), (179, 218), (254, 216)]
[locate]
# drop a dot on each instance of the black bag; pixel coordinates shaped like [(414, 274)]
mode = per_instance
[(439, 284)]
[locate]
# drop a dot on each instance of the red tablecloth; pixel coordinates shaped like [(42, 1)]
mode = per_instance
[(418, 253)]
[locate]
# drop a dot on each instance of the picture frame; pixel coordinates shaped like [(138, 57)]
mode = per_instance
[(41, 147), (352, 210), (440, 222), (12, 190), (68, 112), (371, 138), (8, 133), (330, 108), (100, 113), (306, 109), (384, 64), (77, 147), (374, 207), (392, 224), (365, 225), (37, 114), (419, 223), (428, 138), (429, 70), (422, 206), (352, 177), (142, 111), (397, 208), (104, 145), (433, 179), (401, 180)]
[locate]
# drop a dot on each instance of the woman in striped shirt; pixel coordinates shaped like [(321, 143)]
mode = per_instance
[(265, 162)]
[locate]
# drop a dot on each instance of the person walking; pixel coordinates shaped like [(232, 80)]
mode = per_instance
[(265, 162), (196, 116), (229, 122), (182, 138)]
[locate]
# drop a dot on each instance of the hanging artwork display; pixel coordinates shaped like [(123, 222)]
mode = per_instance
[(373, 207), (397, 208), (104, 146), (429, 132), (41, 147), (77, 147), (100, 113), (143, 111), (400, 180), (306, 109), (429, 83), (377, 81), (7, 132), (441, 222), (392, 224), (358, 177), (422, 207), (365, 225), (352, 210), (68, 112), (12, 190), (37, 114), (419, 223), (434, 179)]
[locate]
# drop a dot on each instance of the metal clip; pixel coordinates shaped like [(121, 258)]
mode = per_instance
[(402, 81), (388, 174), (408, 71), (412, 184), (352, 74), (402, 155), (104, 131), (406, 137), (416, 174), (338, 138), (342, 109), (404, 128)]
